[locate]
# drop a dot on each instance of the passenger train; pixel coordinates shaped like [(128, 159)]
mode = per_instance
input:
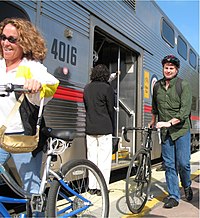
[(131, 37)]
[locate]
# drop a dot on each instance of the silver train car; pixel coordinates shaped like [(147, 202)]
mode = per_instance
[(130, 37)]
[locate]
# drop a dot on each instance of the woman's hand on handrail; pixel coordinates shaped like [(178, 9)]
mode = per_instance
[(124, 132)]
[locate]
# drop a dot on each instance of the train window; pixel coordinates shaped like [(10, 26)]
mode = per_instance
[(167, 33), (192, 59), (9, 9), (182, 47)]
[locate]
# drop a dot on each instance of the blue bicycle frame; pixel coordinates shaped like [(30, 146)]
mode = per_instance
[(17, 189), (9, 200), (66, 186), (25, 200)]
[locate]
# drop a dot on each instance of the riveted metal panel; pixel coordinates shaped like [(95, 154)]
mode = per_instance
[(122, 18), (67, 13), (31, 4)]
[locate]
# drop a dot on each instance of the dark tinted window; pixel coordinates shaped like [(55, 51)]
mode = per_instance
[(167, 33), (182, 47), (8, 9), (192, 59)]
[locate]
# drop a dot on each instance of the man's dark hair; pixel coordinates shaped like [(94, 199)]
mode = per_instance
[(100, 73)]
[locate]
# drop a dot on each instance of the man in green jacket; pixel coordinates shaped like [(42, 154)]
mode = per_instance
[(173, 113)]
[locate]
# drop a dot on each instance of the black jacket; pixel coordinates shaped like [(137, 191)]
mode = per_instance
[(29, 116), (99, 105)]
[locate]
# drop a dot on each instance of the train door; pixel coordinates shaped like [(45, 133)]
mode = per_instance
[(122, 63)]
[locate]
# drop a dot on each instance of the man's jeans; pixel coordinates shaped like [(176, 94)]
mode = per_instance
[(28, 168), (176, 156)]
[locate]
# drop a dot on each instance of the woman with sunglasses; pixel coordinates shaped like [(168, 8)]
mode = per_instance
[(22, 50)]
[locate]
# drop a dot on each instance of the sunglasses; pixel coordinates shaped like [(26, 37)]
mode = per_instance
[(11, 39)]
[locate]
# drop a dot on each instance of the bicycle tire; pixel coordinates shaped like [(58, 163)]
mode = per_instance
[(138, 181), (79, 183)]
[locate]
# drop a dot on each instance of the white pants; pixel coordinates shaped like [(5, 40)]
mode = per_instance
[(99, 151)]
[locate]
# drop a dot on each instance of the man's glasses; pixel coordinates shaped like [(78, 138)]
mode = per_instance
[(11, 39)]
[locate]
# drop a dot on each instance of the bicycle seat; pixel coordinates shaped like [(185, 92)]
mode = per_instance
[(66, 135)]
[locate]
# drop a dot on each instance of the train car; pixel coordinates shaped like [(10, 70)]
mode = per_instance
[(131, 37)]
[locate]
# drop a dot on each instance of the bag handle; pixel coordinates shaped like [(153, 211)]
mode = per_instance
[(16, 107), (40, 114)]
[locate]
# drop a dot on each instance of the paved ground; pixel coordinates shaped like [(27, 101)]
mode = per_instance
[(154, 208)]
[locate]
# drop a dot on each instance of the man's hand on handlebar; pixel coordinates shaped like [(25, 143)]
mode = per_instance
[(163, 124)]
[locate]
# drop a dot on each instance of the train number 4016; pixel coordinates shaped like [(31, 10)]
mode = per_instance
[(64, 52)]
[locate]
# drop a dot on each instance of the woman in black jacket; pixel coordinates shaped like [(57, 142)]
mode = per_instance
[(99, 105)]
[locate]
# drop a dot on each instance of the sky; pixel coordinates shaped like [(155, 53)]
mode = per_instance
[(185, 15)]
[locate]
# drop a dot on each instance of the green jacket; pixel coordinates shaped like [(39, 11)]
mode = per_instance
[(167, 105)]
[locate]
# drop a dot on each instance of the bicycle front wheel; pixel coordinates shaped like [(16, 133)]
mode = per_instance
[(63, 202), (138, 181)]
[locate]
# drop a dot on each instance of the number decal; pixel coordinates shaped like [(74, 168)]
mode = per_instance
[(64, 52), (54, 48), (73, 56)]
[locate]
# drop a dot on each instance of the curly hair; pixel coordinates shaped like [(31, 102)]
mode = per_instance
[(30, 39), (100, 73)]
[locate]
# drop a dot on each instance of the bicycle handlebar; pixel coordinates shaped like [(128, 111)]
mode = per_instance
[(126, 129), (9, 87)]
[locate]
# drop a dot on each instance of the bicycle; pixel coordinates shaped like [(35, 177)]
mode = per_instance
[(138, 178), (68, 193)]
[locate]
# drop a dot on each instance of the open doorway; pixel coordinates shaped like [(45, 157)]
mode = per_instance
[(123, 61)]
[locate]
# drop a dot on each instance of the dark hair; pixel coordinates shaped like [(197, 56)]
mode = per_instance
[(171, 59), (100, 73)]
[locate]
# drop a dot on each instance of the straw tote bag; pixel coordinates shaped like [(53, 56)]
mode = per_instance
[(20, 143)]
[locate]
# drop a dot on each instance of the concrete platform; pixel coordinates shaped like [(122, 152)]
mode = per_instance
[(154, 207)]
